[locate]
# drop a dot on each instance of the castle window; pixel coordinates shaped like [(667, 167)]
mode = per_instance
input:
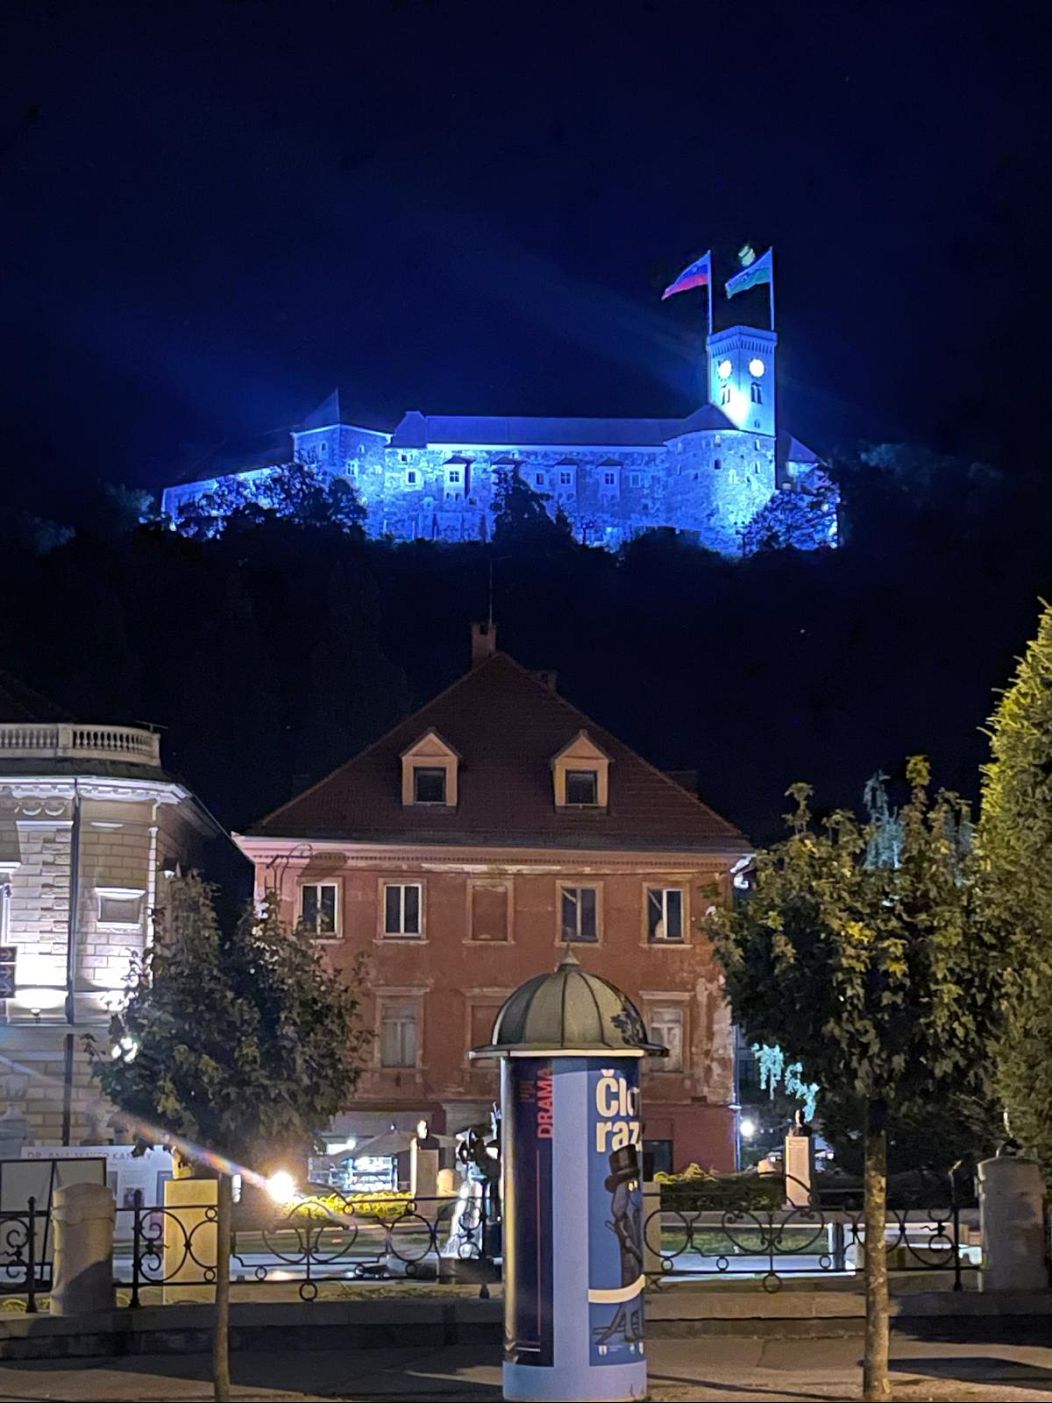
[(410, 478), (756, 423), (757, 393), (717, 463), (324, 448), (756, 467), (634, 479), (454, 474), (566, 479), (725, 395), (718, 440), (539, 479), (403, 457), (608, 478)]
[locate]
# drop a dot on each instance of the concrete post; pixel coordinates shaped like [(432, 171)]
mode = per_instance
[(423, 1172), (1012, 1223), (190, 1246), (799, 1168), (83, 1216)]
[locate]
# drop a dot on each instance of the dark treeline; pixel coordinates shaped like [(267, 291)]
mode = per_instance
[(271, 653)]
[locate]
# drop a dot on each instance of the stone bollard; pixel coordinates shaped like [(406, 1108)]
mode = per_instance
[(799, 1165), (83, 1216), (1012, 1224)]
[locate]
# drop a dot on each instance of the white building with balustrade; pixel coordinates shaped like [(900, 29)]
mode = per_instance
[(90, 824)]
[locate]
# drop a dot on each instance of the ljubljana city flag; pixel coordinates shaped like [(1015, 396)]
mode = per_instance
[(699, 274), (759, 271)]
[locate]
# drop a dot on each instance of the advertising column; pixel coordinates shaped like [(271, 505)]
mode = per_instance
[(573, 1211)]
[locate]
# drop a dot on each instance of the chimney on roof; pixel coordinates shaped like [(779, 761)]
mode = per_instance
[(483, 642), (547, 678)]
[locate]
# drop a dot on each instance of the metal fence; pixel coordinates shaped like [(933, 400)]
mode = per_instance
[(927, 1230), (459, 1239)]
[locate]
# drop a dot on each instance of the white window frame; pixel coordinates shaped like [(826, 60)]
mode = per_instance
[(576, 888), (401, 935), (337, 914), (657, 1019), (679, 940), (439, 768), (572, 773), (399, 1001)]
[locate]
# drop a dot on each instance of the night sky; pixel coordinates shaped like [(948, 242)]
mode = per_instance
[(212, 214)]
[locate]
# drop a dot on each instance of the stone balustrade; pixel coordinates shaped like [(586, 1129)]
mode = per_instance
[(32, 740)]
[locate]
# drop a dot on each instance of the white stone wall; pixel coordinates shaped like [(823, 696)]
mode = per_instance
[(129, 833)]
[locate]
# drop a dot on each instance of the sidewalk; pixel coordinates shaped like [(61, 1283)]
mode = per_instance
[(680, 1370)]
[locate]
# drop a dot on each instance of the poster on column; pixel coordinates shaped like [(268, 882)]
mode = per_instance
[(528, 1209), (615, 1214)]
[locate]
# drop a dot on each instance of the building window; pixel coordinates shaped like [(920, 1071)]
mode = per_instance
[(454, 474), (717, 463), (429, 784), (566, 479), (119, 908), (324, 448), (402, 910), (403, 457), (410, 478), (725, 395), (664, 914), (580, 913), (318, 908), (8, 955), (634, 479), (582, 787), (608, 478), (757, 393), (482, 1018), (666, 1027), (398, 1034), (489, 913), (718, 440), (539, 479)]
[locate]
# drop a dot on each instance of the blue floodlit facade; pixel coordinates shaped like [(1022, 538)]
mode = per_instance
[(433, 476)]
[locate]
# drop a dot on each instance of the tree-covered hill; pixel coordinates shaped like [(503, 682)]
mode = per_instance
[(275, 650)]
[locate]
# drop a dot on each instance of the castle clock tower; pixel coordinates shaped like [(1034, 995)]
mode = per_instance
[(741, 376)]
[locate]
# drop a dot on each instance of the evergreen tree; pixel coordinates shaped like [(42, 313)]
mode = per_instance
[(881, 978), (521, 514), (231, 1046), (1015, 843)]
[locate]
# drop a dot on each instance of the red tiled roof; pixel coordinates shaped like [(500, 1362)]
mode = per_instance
[(507, 726)]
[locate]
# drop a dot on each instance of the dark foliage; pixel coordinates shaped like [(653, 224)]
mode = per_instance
[(276, 651)]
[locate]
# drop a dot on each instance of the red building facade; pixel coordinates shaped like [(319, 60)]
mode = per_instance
[(456, 856)]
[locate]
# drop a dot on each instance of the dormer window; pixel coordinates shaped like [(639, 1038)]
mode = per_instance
[(429, 784), (429, 773), (582, 787), (581, 775)]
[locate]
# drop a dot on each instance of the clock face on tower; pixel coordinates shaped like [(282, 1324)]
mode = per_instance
[(756, 367), (724, 369)]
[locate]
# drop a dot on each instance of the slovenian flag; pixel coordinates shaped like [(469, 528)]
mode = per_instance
[(699, 274), (760, 271)]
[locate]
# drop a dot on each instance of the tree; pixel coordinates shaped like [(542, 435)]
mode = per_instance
[(881, 978), (803, 517), (236, 1043), (1015, 846), (521, 514)]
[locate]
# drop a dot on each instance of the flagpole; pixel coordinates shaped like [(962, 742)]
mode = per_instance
[(712, 292), (771, 286)]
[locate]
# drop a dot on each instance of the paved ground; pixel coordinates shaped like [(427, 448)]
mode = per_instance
[(704, 1369)]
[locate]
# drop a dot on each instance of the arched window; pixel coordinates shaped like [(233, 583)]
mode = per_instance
[(725, 394), (757, 393)]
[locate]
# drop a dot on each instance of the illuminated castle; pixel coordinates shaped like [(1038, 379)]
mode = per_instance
[(433, 476)]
